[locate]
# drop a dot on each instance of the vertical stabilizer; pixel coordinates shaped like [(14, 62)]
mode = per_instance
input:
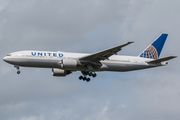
[(153, 51)]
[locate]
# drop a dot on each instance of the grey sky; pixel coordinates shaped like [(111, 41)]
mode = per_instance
[(89, 26)]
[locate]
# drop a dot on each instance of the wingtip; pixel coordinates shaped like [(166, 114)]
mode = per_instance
[(174, 56), (130, 42)]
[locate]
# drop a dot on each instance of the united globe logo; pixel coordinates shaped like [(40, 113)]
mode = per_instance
[(150, 52)]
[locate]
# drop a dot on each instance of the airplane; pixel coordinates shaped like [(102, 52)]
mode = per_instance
[(64, 63)]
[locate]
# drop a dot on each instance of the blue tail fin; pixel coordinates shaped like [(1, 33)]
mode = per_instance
[(153, 51)]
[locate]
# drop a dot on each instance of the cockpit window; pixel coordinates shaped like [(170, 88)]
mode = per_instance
[(9, 55)]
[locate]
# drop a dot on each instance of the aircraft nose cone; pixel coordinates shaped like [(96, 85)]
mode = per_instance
[(5, 59), (8, 59)]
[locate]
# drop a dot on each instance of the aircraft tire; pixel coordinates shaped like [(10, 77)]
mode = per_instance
[(80, 77), (90, 73), (88, 79), (84, 78), (94, 75), (18, 72)]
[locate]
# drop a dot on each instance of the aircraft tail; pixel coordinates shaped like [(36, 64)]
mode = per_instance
[(153, 51)]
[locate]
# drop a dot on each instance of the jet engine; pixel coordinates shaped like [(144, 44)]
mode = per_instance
[(69, 63), (60, 72)]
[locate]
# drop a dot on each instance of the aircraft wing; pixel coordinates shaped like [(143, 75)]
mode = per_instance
[(162, 59), (103, 54)]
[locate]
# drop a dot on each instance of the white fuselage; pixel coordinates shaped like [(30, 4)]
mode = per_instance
[(47, 59)]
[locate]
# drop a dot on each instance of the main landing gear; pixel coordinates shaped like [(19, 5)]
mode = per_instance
[(85, 73), (17, 67)]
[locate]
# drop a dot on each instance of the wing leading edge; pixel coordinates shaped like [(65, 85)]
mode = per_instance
[(103, 54)]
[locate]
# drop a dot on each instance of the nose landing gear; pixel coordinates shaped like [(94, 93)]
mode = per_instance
[(85, 73), (17, 67), (18, 72)]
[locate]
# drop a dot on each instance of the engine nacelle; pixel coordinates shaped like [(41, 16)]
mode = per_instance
[(69, 63), (60, 72)]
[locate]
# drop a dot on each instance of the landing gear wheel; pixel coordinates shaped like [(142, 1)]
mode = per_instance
[(94, 75), (84, 78), (90, 74), (88, 79), (18, 72), (81, 77), (17, 67)]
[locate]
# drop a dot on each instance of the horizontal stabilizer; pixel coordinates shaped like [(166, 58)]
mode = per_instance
[(162, 59)]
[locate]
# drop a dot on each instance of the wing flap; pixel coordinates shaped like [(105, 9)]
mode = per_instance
[(162, 59)]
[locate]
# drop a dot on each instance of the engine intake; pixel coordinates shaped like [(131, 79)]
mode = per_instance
[(60, 72)]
